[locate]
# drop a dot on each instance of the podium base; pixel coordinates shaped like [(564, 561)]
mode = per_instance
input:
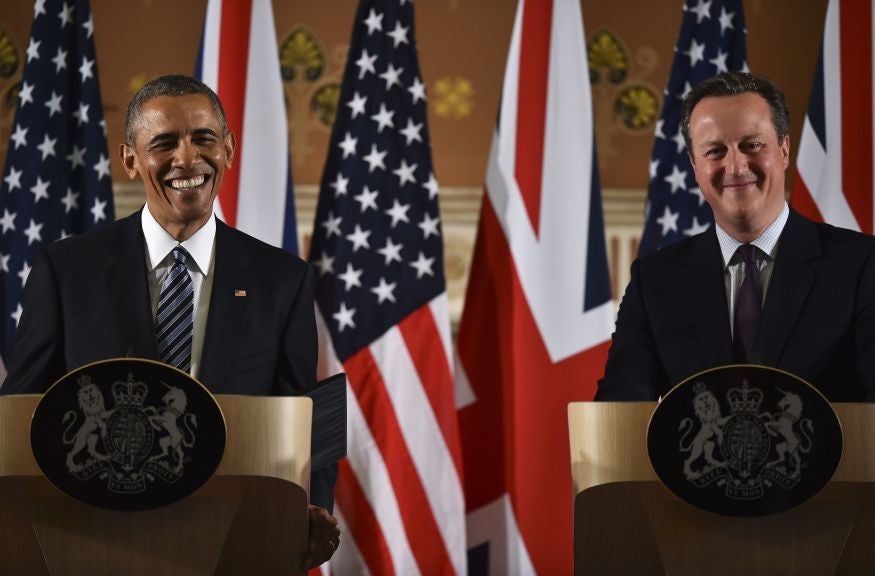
[(219, 530), (641, 528)]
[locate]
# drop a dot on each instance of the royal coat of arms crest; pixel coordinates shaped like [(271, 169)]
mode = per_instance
[(120, 442), (744, 440), (756, 448), (128, 434)]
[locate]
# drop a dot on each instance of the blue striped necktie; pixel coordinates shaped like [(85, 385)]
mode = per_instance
[(175, 317)]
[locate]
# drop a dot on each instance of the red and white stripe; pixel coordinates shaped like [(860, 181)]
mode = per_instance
[(526, 345), (399, 493), (240, 62), (834, 180)]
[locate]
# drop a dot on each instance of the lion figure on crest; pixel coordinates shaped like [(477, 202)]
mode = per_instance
[(174, 440), (92, 405), (707, 410)]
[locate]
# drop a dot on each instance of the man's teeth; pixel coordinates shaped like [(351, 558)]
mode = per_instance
[(184, 184)]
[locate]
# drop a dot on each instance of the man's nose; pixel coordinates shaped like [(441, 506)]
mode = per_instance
[(735, 162), (186, 154)]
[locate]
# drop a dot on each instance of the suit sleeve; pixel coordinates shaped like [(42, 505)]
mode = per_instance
[(38, 359), (634, 371), (297, 372), (865, 328)]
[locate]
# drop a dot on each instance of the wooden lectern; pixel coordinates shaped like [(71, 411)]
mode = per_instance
[(626, 522), (249, 518)]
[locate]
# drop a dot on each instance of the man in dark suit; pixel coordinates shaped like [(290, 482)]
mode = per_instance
[(95, 296), (689, 307)]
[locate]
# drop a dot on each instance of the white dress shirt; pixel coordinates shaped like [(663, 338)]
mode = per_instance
[(202, 248), (734, 271)]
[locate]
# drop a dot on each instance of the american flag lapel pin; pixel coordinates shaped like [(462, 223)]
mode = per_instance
[(240, 293)]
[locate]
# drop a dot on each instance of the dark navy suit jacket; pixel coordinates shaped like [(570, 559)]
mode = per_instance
[(818, 319)]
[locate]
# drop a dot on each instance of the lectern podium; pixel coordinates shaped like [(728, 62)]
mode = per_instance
[(626, 522), (249, 518)]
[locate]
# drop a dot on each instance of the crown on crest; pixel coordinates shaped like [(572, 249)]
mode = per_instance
[(699, 387), (744, 399), (129, 393), (84, 380)]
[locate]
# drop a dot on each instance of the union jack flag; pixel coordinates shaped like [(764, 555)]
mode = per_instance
[(538, 312), (712, 40), (382, 303), (239, 60), (834, 181), (56, 180)]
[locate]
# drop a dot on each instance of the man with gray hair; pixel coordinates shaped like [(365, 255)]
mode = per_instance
[(764, 285)]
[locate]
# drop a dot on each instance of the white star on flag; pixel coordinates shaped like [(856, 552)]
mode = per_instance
[(344, 317), (405, 173), (384, 291), (677, 179), (669, 221)]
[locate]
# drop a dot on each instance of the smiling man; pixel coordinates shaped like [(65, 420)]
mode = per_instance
[(764, 285), (173, 283)]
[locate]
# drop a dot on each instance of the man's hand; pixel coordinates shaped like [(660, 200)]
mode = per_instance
[(324, 537)]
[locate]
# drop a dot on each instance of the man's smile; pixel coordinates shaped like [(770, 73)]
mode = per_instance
[(185, 184)]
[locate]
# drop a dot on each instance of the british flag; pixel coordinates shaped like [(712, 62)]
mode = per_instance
[(239, 60), (834, 181), (56, 179), (538, 312)]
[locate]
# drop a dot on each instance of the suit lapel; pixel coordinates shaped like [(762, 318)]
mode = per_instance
[(129, 290), (790, 284), (703, 291), (228, 308)]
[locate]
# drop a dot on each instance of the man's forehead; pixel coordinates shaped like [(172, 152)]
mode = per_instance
[(192, 104), (172, 114), (747, 113), (747, 101)]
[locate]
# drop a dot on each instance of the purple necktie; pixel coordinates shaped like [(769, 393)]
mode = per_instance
[(748, 306)]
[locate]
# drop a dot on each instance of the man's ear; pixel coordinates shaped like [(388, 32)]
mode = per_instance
[(129, 160), (785, 151), (230, 148)]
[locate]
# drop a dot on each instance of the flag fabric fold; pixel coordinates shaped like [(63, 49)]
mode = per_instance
[(239, 60), (383, 313), (56, 180), (712, 40), (538, 312), (834, 178)]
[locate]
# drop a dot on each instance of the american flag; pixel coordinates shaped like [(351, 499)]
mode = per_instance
[(382, 302), (712, 40), (239, 59), (56, 180), (538, 312), (834, 179)]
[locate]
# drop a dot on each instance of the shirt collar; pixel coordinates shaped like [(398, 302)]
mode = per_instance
[(159, 243), (767, 241)]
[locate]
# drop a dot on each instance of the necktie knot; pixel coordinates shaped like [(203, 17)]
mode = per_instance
[(180, 255), (748, 254)]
